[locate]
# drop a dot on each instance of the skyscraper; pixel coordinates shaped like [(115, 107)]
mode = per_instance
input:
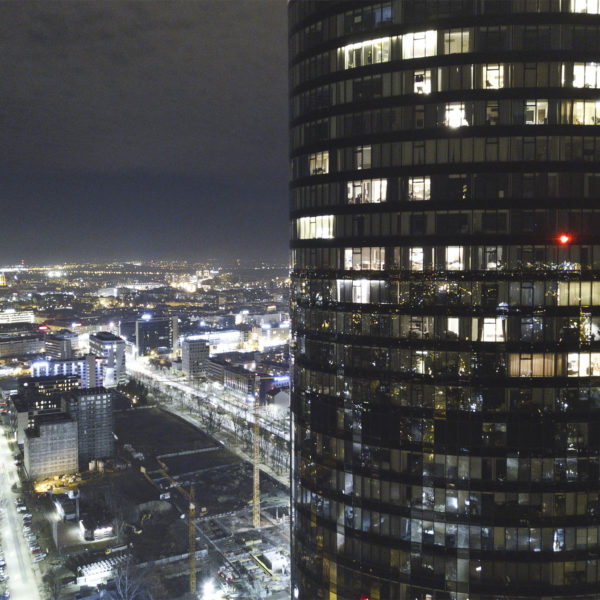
[(445, 206)]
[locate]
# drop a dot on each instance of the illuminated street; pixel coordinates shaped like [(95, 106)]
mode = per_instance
[(22, 579)]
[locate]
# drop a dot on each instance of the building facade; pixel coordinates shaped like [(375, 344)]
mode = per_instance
[(59, 346), (111, 348), (194, 356), (445, 206), (92, 410), (88, 368), (50, 446), (156, 334)]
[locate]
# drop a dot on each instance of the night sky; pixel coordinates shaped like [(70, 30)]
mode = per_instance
[(143, 130)]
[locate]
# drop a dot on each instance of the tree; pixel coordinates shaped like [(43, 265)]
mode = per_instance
[(52, 584), (128, 581)]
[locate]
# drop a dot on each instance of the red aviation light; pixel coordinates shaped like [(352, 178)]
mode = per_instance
[(565, 238)]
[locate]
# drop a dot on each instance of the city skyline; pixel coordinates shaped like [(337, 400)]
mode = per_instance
[(143, 130)]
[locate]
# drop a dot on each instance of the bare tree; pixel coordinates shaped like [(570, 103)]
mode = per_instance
[(52, 584), (128, 581)]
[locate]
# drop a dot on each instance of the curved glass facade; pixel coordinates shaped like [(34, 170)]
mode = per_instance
[(445, 209)]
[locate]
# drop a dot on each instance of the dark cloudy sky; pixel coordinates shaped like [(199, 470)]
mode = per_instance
[(143, 130)]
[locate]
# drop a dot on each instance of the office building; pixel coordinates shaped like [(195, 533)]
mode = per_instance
[(36, 396), (60, 345), (50, 446), (92, 410), (88, 368), (445, 203), (111, 349), (194, 354), (155, 334)]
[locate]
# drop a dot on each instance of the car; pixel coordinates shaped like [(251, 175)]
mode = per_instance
[(27, 516), (39, 557), (36, 550)]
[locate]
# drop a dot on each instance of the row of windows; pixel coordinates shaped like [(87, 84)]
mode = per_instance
[(489, 76), (431, 43), (462, 497), (375, 15), (453, 363), (442, 293), (455, 187), (436, 399), (451, 115), (532, 329), (461, 222), (456, 150), (459, 258), (441, 570)]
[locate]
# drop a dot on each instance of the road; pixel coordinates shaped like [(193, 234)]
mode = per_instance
[(22, 581), (223, 399)]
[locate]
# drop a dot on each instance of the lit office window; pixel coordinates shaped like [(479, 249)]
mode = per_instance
[(422, 83), (591, 7), (369, 52), (536, 112), (312, 228), (456, 40), (366, 191), (493, 77), (493, 330), (455, 258), (415, 258), (584, 364), (364, 259), (586, 75), (419, 188), (455, 115), (319, 163), (418, 45), (586, 112)]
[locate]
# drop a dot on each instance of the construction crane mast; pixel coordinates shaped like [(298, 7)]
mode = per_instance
[(256, 465), (192, 534)]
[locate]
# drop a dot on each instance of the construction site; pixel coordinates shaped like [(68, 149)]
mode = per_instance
[(236, 518)]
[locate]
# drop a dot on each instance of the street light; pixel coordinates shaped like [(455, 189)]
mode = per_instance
[(209, 592)]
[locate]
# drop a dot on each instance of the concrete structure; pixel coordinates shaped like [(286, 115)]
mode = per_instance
[(51, 446), (112, 350), (88, 368), (157, 334), (194, 355), (93, 412)]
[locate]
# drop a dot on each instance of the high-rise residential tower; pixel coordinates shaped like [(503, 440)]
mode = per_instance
[(445, 206)]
